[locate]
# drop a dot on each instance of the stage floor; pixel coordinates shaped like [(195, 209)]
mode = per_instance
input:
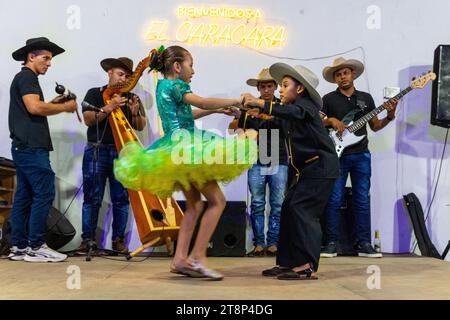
[(402, 277)]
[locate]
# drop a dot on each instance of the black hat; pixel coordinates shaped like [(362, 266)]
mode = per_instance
[(41, 43), (123, 62)]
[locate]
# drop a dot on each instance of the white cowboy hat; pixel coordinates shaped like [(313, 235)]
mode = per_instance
[(300, 73), (263, 76), (340, 63)]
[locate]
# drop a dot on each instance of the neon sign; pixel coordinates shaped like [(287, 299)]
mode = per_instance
[(219, 12), (218, 30)]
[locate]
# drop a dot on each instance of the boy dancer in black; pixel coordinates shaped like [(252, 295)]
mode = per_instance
[(315, 162)]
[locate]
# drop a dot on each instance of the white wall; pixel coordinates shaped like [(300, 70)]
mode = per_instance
[(405, 155)]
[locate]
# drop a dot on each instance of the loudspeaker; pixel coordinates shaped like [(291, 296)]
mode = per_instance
[(229, 238), (58, 232), (347, 227), (347, 239), (440, 98)]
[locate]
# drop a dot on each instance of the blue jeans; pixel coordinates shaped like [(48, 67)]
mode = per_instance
[(359, 167), (35, 192), (94, 192), (258, 178)]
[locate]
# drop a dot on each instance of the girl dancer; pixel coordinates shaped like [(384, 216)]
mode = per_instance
[(178, 161)]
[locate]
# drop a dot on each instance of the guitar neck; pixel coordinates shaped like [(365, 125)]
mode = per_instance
[(361, 122)]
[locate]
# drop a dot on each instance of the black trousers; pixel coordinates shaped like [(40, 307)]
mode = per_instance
[(300, 229)]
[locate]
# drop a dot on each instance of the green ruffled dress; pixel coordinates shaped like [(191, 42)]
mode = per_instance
[(185, 154)]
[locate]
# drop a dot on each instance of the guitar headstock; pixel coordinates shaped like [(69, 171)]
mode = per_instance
[(420, 82)]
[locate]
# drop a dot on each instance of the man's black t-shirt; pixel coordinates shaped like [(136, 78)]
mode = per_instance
[(95, 97), (27, 130), (337, 105)]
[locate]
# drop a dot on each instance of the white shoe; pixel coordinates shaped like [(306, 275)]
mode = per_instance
[(17, 254), (44, 254)]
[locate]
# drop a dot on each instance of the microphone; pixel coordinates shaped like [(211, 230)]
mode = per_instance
[(89, 106)]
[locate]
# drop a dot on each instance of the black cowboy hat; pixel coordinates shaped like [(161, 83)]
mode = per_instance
[(122, 62), (41, 43)]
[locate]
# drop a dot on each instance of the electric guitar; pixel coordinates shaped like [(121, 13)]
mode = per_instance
[(348, 138)]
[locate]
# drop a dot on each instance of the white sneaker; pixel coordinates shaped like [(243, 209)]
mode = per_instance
[(17, 254), (44, 254)]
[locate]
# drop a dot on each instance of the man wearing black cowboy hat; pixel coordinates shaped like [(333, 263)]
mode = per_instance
[(31, 144), (119, 71)]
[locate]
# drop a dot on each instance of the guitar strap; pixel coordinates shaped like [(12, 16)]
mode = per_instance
[(350, 116), (360, 106)]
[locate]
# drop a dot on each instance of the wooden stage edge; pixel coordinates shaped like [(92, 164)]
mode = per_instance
[(392, 277)]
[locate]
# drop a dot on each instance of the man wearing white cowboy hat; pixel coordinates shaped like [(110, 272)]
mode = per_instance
[(315, 162), (119, 71), (31, 144), (338, 105), (271, 169)]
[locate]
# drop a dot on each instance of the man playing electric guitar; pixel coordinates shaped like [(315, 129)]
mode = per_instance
[(341, 107)]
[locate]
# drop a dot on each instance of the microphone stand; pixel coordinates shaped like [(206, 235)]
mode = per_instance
[(91, 244)]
